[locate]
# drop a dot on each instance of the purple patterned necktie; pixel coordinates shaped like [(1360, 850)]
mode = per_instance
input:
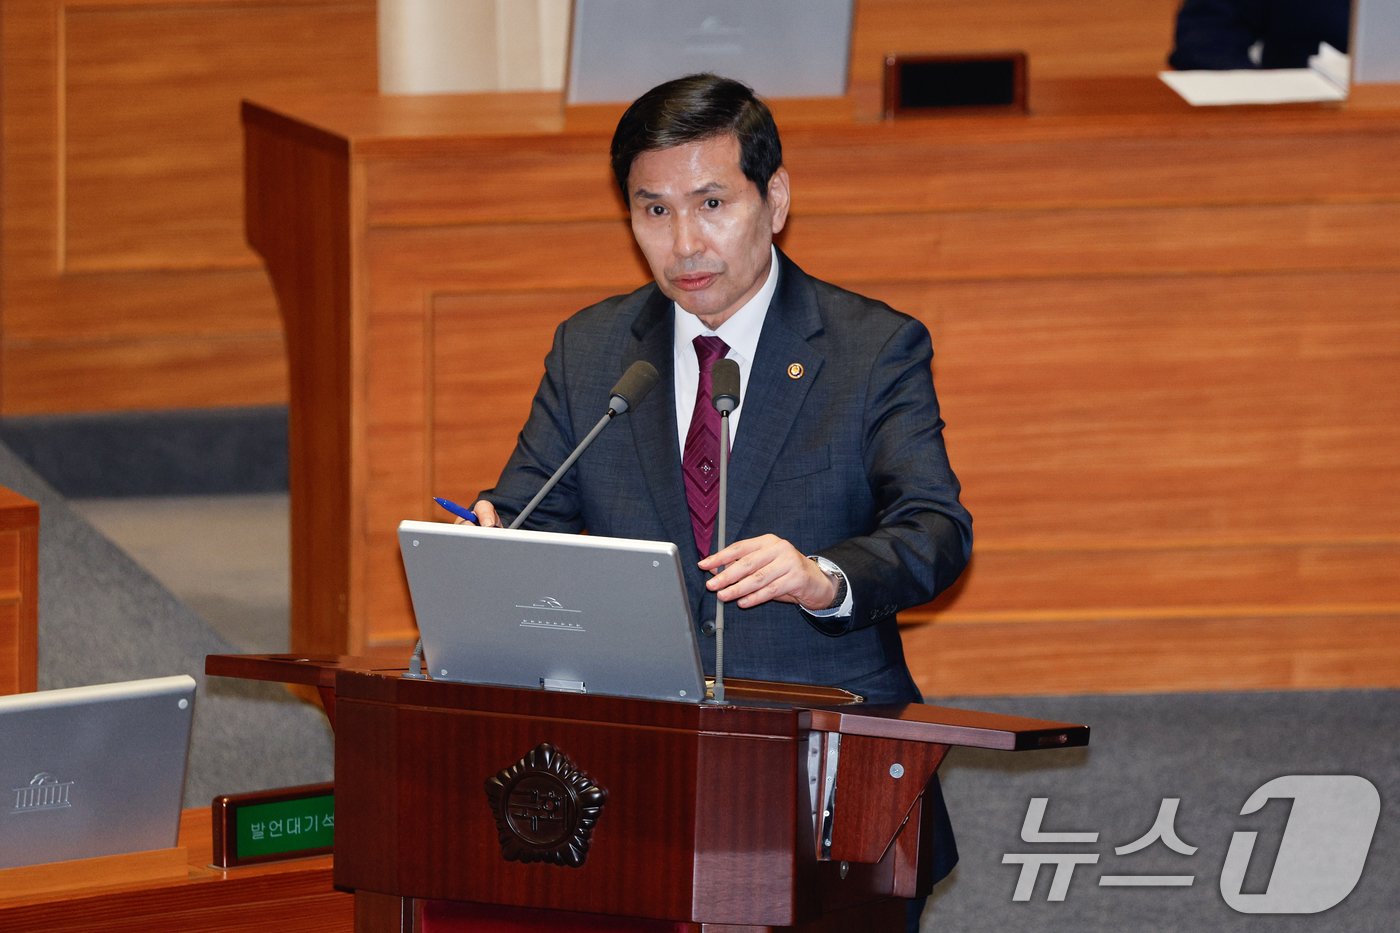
[(701, 460)]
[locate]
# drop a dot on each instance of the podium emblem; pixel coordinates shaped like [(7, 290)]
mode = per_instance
[(545, 808)]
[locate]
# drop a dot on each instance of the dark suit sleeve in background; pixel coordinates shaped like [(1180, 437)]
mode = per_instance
[(1217, 35)]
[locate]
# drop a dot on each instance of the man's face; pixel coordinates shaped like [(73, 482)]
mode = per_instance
[(702, 225)]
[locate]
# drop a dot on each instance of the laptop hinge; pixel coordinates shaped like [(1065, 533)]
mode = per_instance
[(564, 686)]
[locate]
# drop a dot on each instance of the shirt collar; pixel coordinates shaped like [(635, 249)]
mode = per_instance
[(744, 326)]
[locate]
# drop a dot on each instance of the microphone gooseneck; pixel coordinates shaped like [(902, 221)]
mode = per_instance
[(724, 395)]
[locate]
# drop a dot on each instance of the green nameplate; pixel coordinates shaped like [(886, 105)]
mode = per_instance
[(277, 824)]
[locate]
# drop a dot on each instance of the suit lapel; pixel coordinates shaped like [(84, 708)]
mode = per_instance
[(771, 406), (653, 423), (783, 371)]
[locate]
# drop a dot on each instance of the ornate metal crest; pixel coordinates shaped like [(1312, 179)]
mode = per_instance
[(545, 808)]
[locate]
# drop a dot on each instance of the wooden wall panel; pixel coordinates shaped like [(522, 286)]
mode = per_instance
[(1087, 37), (470, 442), (1125, 655), (1056, 580), (152, 164), (1167, 338), (1097, 242), (1165, 381), (121, 256), (1175, 408), (151, 373), (123, 263)]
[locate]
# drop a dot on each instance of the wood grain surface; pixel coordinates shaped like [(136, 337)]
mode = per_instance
[(1166, 337), (294, 896), (19, 593), (126, 280), (1162, 376)]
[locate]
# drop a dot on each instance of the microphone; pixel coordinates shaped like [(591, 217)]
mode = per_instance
[(724, 395), (724, 382), (634, 385)]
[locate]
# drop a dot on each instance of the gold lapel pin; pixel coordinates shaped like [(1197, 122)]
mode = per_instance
[(795, 370)]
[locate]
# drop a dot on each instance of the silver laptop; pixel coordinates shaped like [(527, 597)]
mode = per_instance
[(537, 609), (780, 48), (90, 771)]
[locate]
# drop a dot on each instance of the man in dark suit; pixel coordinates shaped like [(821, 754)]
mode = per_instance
[(842, 506), (1218, 35)]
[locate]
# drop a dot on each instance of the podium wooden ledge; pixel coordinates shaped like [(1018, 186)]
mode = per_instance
[(824, 709)]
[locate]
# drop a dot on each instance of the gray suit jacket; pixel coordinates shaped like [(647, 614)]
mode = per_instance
[(845, 460)]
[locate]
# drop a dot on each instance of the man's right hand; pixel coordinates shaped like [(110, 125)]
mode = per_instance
[(486, 515)]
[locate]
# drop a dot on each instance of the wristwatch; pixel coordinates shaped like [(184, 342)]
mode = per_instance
[(838, 579)]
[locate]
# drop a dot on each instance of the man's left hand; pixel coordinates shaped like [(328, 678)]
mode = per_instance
[(757, 570)]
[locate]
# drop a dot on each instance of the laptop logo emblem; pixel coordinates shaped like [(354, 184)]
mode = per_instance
[(550, 613), (44, 792)]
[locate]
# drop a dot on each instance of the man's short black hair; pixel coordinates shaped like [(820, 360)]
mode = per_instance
[(693, 108)]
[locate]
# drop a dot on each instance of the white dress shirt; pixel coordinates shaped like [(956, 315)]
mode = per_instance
[(740, 333)]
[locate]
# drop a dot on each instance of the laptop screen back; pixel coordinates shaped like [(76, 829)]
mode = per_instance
[(780, 48), (536, 609), (91, 771), (1375, 42)]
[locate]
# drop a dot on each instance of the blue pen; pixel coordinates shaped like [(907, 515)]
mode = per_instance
[(461, 511)]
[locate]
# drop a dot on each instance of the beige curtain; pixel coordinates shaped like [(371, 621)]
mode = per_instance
[(456, 46)]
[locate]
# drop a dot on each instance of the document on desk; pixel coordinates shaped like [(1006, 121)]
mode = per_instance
[(1324, 79)]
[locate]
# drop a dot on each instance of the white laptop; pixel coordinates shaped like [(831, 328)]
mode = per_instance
[(541, 610), (781, 48), (91, 771)]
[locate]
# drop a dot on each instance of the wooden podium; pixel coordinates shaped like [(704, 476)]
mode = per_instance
[(463, 806)]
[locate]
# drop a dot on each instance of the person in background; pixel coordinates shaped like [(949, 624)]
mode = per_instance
[(1218, 35)]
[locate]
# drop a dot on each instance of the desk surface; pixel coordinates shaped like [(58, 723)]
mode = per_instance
[(389, 125)]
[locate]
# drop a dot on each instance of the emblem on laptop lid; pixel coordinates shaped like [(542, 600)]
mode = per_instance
[(547, 612), (43, 792)]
